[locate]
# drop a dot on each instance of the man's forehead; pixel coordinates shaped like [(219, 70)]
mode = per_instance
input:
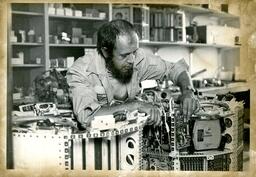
[(127, 38), (126, 41)]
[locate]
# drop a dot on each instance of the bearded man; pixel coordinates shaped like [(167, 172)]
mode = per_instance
[(114, 72)]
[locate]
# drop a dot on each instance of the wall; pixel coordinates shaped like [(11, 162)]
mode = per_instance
[(246, 9), (202, 58)]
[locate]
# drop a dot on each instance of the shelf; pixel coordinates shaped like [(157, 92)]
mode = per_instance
[(26, 44), (28, 66), (27, 13), (26, 100), (73, 45), (160, 44), (77, 18), (155, 44), (231, 87), (209, 12), (60, 69)]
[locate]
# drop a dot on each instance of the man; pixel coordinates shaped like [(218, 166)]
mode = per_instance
[(114, 73)]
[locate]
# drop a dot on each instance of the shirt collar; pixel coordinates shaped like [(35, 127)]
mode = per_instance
[(99, 66)]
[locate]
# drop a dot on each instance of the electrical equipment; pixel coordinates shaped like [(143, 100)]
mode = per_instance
[(38, 151), (206, 134), (199, 143), (199, 161), (51, 86), (207, 141), (234, 134), (203, 161), (114, 149), (103, 122), (39, 109)]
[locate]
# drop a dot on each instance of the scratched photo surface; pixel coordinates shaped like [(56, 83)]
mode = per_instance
[(216, 38)]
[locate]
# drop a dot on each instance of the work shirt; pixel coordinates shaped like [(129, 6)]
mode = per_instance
[(90, 85)]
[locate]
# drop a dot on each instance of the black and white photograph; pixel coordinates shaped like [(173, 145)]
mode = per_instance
[(130, 86)]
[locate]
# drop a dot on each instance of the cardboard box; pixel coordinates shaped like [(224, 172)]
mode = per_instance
[(51, 11), (87, 40), (17, 61), (70, 61), (102, 15), (76, 32), (16, 96), (68, 12), (75, 40), (59, 11), (78, 13)]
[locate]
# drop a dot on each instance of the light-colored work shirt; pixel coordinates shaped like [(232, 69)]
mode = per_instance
[(90, 81)]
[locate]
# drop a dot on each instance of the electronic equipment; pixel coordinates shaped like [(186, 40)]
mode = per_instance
[(110, 150), (207, 141), (200, 143), (93, 150), (234, 134), (199, 161)]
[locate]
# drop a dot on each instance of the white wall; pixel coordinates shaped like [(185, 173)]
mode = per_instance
[(202, 58)]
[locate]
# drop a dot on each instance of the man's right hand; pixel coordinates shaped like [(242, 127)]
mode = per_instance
[(153, 111)]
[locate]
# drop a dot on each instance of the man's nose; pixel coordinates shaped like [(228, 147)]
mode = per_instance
[(130, 58)]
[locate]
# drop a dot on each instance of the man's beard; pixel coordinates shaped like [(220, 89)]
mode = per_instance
[(123, 76)]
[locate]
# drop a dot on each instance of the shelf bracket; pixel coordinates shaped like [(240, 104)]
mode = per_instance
[(191, 50)]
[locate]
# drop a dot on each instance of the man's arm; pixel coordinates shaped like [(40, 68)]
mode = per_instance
[(153, 67), (85, 102), (188, 100), (149, 109), (83, 95)]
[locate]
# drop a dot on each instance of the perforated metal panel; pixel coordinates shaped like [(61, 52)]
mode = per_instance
[(35, 151), (111, 150)]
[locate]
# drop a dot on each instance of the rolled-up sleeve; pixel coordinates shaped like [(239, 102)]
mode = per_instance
[(175, 69), (154, 67), (82, 92)]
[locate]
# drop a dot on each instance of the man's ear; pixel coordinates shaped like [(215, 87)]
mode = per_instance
[(104, 51)]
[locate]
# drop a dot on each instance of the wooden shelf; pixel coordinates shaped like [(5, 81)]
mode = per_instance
[(160, 44), (28, 66), (73, 45), (27, 13), (26, 44), (26, 100), (60, 69), (78, 18), (207, 12)]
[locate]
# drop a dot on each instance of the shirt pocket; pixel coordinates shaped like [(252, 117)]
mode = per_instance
[(101, 94)]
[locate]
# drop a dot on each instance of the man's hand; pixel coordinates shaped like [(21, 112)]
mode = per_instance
[(153, 111), (188, 100), (189, 104)]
